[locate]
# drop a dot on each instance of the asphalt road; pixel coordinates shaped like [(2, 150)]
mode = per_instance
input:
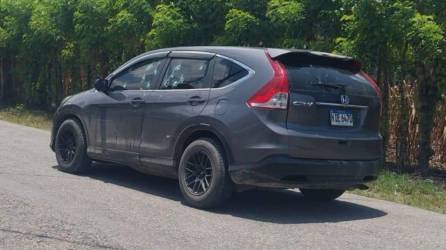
[(117, 208)]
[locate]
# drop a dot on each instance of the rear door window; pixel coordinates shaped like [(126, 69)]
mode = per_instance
[(226, 72), (186, 74)]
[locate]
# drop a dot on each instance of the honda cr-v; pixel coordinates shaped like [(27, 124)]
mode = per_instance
[(222, 118)]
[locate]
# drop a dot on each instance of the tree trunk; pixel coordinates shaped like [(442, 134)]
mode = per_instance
[(427, 96), (2, 82), (384, 126), (402, 142)]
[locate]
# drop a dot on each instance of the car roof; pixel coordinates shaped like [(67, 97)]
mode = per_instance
[(246, 55), (210, 49), (274, 52), (241, 54)]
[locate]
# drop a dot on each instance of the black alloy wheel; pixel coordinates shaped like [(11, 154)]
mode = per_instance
[(202, 174), (198, 173), (66, 146), (71, 147)]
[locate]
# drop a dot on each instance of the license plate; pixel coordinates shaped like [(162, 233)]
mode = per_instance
[(342, 118)]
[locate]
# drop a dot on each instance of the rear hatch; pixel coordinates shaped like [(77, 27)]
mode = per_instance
[(333, 110)]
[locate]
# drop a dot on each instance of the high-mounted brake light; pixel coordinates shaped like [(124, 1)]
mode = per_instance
[(274, 95), (374, 85)]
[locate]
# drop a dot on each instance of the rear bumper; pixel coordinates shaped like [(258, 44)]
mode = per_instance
[(287, 172)]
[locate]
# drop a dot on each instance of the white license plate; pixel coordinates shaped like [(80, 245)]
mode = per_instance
[(342, 118)]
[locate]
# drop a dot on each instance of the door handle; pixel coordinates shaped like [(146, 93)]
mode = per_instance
[(137, 102), (196, 100)]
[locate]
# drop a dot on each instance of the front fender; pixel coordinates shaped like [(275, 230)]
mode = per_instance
[(63, 113)]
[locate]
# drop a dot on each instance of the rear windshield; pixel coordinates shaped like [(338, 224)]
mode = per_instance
[(317, 78)]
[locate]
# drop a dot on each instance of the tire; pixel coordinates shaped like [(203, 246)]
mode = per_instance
[(321, 194), (71, 148), (219, 185)]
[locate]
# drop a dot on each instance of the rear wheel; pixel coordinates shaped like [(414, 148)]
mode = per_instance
[(71, 148), (202, 174), (322, 194)]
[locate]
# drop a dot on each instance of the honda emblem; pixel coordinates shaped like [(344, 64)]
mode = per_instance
[(345, 99)]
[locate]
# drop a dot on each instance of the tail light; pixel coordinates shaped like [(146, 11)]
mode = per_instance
[(374, 85), (274, 95)]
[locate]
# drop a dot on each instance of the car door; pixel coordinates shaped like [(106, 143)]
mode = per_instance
[(182, 95), (122, 113)]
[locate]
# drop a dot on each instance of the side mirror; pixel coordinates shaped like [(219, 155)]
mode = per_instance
[(101, 85)]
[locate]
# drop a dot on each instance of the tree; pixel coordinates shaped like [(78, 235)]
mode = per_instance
[(241, 28), (427, 40), (321, 23), (42, 43), (366, 35), (169, 28), (14, 18), (398, 43), (207, 19), (285, 16), (256, 8), (126, 29), (90, 24)]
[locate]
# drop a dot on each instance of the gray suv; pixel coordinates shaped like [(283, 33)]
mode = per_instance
[(221, 119)]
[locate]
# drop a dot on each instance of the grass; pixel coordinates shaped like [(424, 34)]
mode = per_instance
[(408, 189), (21, 115), (391, 186)]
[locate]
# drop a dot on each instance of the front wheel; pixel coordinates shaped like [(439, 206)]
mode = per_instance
[(322, 194), (71, 148), (202, 174)]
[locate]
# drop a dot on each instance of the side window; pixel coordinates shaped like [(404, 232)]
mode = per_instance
[(141, 76), (226, 72), (186, 74)]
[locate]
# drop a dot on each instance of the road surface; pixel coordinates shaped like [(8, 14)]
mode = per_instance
[(117, 208)]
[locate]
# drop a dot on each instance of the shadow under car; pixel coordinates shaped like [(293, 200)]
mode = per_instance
[(274, 206)]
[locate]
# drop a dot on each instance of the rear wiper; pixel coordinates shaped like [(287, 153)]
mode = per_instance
[(326, 85)]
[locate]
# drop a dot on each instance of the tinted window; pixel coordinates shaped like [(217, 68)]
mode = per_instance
[(186, 74), (226, 72), (317, 78), (138, 77)]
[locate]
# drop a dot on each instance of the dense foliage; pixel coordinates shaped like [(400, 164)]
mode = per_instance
[(52, 48)]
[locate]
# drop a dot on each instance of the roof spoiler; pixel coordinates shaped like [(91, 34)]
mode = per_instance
[(302, 57)]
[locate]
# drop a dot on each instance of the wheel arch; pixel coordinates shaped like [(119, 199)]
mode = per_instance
[(200, 131), (63, 117)]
